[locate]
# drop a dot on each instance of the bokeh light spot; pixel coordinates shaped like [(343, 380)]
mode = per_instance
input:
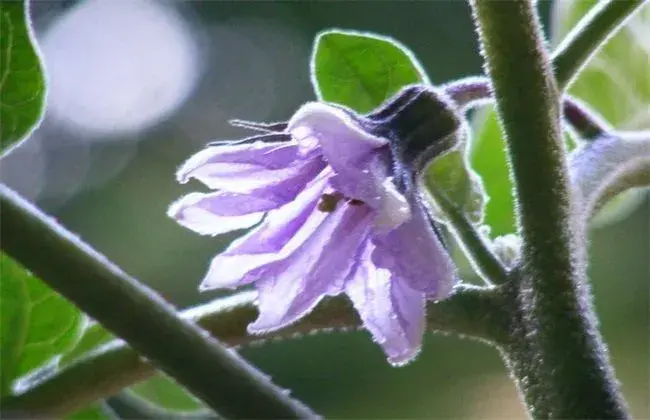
[(116, 67)]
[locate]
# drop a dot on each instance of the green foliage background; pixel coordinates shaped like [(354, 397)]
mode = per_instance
[(338, 374)]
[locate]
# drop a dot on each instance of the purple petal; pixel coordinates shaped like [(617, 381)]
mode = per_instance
[(342, 139), (413, 252), (245, 259), (349, 149), (315, 267), (363, 179), (392, 312), (361, 161), (220, 212), (370, 183), (281, 168)]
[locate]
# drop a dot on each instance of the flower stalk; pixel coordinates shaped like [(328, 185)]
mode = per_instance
[(483, 259), (472, 92), (471, 311), (556, 355)]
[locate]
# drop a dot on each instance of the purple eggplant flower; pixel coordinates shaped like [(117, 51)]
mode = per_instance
[(328, 218)]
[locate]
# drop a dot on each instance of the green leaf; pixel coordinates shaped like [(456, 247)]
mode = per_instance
[(93, 337), (22, 84), (361, 70), (488, 158), (451, 176), (616, 83), (36, 323), (96, 411), (164, 394), (160, 392)]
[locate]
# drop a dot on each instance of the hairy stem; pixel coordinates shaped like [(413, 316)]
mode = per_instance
[(138, 315), (471, 92), (471, 311), (595, 28), (556, 354), (609, 165)]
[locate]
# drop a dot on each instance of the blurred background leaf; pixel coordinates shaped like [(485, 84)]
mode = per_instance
[(488, 158), (96, 411), (616, 82), (165, 394), (36, 324), (22, 84), (159, 393), (621, 74), (451, 176)]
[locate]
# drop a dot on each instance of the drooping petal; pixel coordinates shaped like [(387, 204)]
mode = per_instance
[(219, 212), (341, 137), (392, 312), (244, 260), (281, 168), (351, 151), (413, 252), (315, 268)]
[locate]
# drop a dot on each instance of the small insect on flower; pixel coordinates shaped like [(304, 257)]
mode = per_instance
[(331, 196), (328, 202)]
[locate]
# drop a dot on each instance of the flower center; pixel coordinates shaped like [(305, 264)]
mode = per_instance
[(329, 201)]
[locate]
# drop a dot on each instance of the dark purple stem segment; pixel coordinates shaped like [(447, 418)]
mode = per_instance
[(471, 92)]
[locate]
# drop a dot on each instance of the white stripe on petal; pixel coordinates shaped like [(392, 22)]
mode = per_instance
[(392, 312), (318, 267), (190, 212), (395, 209)]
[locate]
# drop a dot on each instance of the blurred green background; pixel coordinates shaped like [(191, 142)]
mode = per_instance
[(139, 85)]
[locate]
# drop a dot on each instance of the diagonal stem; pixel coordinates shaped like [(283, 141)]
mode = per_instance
[(484, 261), (593, 30), (137, 314), (588, 125), (471, 311)]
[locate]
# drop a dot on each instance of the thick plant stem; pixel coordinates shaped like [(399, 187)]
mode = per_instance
[(556, 355), (471, 311), (135, 313), (600, 23)]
